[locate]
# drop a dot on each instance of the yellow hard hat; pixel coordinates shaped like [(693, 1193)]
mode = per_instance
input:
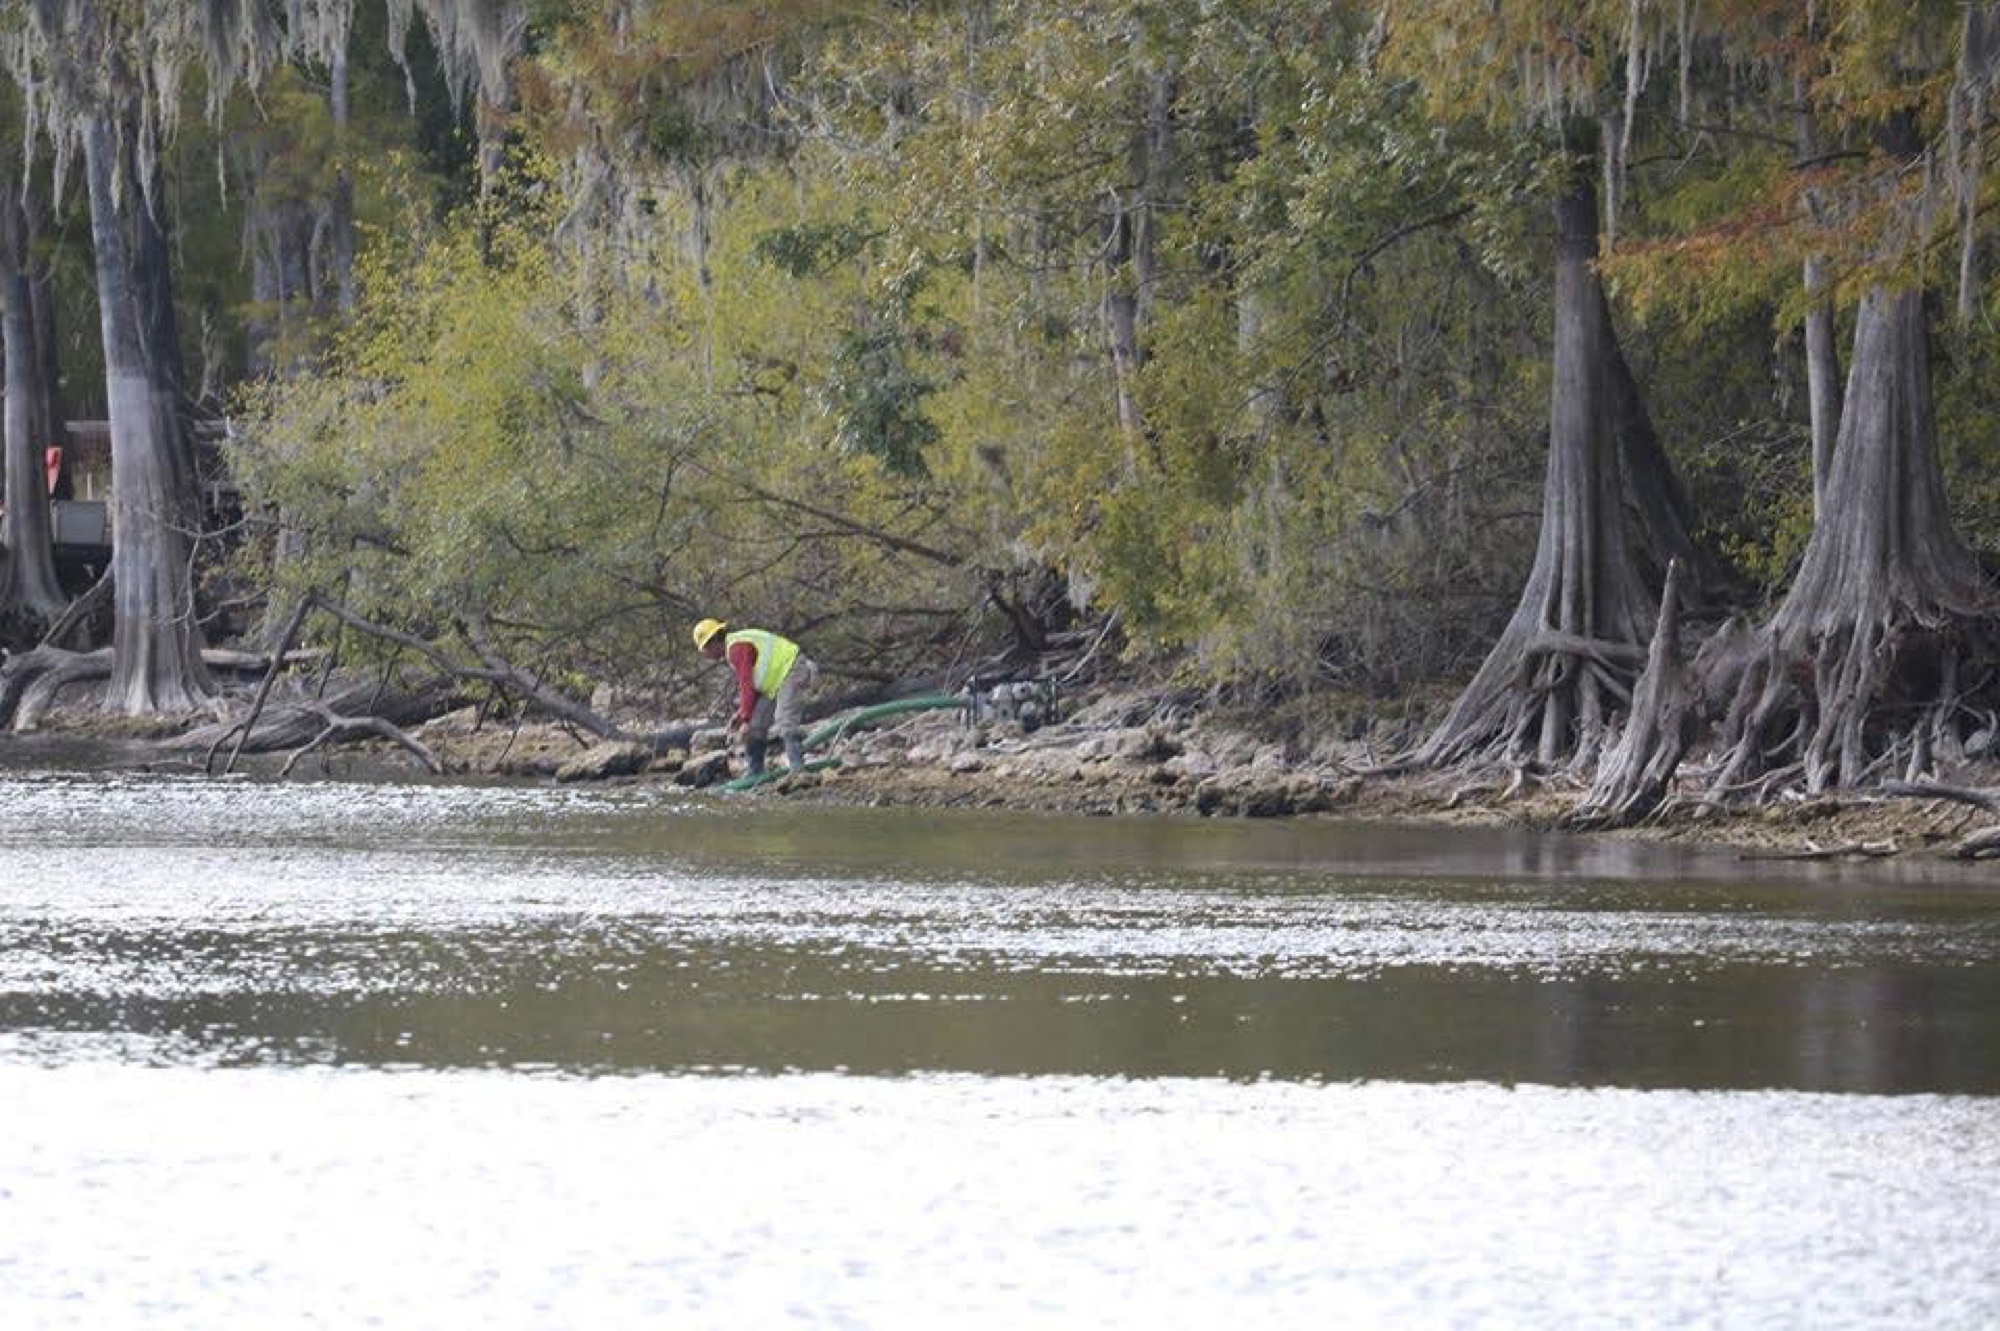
[(705, 630)]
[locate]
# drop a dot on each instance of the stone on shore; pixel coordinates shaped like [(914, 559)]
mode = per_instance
[(600, 762), (703, 771)]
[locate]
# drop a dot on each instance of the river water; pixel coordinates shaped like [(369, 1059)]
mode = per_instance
[(376, 1053)]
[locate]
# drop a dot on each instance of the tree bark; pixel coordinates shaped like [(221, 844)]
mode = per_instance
[(159, 326), (1822, 358), (1131, 254), (1653, 493), (156, 644), (27, 532), (1822, 379)]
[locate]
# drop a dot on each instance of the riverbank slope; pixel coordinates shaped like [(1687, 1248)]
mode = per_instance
[(1117, 750), (1123, 752)]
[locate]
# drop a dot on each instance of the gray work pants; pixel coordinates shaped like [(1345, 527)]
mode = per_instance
[(786, 712)]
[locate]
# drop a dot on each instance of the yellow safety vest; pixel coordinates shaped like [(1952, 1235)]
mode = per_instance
[(775, 656)]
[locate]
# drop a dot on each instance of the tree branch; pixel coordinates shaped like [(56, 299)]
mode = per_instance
[(847, 524)]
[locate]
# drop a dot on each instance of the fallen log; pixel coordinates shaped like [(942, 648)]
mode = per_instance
[(287, 723), (335, 726), (1988, 800), (1982, 844)]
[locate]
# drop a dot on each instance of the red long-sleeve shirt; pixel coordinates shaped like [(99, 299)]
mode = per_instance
[(742, 658)]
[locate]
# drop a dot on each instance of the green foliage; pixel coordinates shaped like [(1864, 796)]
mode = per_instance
[(811, 312), (810, 250), (1966, 377), (1715, 245), (878, 397), (504, 438), (1285, 195)]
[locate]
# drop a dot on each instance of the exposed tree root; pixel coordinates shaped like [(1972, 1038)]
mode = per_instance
[(31, 681), (1850, 708), (1634, 777)]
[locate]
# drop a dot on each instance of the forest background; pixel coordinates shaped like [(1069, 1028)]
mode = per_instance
[(1317, 358)]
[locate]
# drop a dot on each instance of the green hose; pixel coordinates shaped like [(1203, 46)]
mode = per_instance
[(868, 716), (840, 726)]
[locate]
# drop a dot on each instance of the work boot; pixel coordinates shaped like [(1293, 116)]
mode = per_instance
[(795, 752), (753, 749)]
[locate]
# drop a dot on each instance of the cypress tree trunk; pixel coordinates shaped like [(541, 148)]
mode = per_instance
[(160, 341), (1859, 667), (1858, 671), (30, 572), (51, 411), (1654, 497), (1822, 360), (1563, 667), (156, 645)]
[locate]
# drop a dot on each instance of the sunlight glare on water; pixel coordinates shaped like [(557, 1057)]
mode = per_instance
[(420, 1055), (425, 1199)]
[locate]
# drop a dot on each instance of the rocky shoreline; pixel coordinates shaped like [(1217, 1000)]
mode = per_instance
[(1121, 754), (1118, 753)]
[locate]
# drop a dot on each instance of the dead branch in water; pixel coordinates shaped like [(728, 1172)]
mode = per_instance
[(336, 726), (249, 721), (1866, 850)]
